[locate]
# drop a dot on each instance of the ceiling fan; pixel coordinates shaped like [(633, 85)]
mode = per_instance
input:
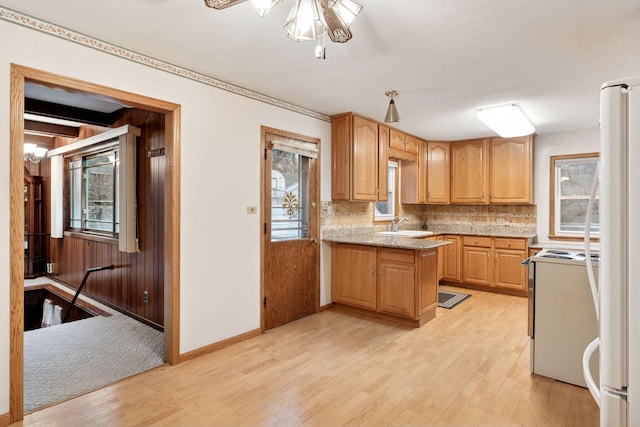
[(308, 19)]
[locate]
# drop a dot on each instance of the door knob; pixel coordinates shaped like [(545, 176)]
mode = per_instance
[(314, 240)]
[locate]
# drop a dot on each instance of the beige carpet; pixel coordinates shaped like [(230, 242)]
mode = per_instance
[(74, 358)]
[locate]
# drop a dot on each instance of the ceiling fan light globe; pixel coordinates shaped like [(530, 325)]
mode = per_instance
[(29, 147), (304, 22), (263, 6), (347, 10)]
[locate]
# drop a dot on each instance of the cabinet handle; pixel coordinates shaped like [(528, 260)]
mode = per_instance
[(373, 270), (490, 195), (380, 273), (483, 195)]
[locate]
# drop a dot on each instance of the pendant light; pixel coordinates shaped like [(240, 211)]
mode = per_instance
[(392, 112), (304, 22)]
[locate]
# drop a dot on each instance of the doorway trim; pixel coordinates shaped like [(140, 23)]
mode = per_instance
[(264, 130), (171, 111)]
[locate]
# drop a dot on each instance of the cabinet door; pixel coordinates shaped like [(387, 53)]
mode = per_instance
[(396, 290), (383, 160), (397, 140), (440, 257), (422, 171), (364, 160), (340, 157), (411, 144), (438, 178), (353, 275), (477, 267), (414, 177), (510, 162), (509, 272), (452, 258), (469, 182), (427, 280)]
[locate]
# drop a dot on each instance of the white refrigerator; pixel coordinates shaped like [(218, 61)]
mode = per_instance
[(618, 298)]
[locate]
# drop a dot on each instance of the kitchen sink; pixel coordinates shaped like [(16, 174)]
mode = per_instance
[(406, 233)]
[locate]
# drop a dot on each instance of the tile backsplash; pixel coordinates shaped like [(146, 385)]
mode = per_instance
[(453, 218)]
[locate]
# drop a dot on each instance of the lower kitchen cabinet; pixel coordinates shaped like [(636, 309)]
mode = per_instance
[(396, 284), (452, 259), (490, 263), (400, 283), (353, 275), (476, 259)]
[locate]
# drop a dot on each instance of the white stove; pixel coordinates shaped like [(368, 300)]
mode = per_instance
[(562, 317), (564, 256)]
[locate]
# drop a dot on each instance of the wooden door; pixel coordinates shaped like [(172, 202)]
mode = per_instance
[(477, 265), (438, 168), (422, 171), (291, 261), (353, 275), (364, 160), (510, 162), (428, 264), (411, 144), (383, 160), (469, 172)]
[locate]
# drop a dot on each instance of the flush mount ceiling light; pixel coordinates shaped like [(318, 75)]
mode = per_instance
[(506, 120), (308, 19), (392, 112), (33, 153)]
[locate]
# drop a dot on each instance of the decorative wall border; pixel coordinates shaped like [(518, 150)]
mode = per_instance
[(103, 46)]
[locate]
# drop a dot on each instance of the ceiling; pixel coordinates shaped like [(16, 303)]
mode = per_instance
[(445, 58)]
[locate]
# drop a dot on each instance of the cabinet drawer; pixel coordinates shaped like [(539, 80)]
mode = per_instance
[(484, 242), (510, 244), (397, 255)]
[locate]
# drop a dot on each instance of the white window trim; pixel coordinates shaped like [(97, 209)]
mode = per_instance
[(558, 197), (389, 217), (126, 136)]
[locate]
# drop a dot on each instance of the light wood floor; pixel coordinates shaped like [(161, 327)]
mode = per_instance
[(468, 367)]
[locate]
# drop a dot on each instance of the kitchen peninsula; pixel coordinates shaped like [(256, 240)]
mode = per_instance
[(394, 277)]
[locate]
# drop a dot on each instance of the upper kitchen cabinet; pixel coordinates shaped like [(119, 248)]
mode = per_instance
[(354, 156), (438, 177), (402, 146), (510, 165), (469, 183), (383, 160), (496, 170), (414, 177)]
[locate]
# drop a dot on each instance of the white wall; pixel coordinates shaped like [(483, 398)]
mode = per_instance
[(555, 144), (220, 147)]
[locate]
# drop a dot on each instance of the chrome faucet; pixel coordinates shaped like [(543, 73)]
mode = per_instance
[(395, 225)]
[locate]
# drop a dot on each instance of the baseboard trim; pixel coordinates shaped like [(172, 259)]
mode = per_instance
[(495, 290), (218, 345), (5, 420), (326, 307)]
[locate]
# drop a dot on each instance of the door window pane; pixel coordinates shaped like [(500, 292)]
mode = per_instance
[(289, 195)]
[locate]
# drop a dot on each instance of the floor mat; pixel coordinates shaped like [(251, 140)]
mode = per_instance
[(449, 299)]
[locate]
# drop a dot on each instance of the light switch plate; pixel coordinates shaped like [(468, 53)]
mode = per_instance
[(252, 210), (500, 221)]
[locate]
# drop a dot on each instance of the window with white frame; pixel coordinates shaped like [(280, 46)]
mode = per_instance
[(572, 178), (386, 211)]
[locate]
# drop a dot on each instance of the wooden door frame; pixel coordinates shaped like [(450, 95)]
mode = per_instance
[(171, 111), (264, 130)]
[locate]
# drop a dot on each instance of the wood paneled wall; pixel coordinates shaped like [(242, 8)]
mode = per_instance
[(123, 288)]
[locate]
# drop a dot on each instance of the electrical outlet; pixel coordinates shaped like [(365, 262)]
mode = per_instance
[(500, 221), (146, 297), (252, 210)]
